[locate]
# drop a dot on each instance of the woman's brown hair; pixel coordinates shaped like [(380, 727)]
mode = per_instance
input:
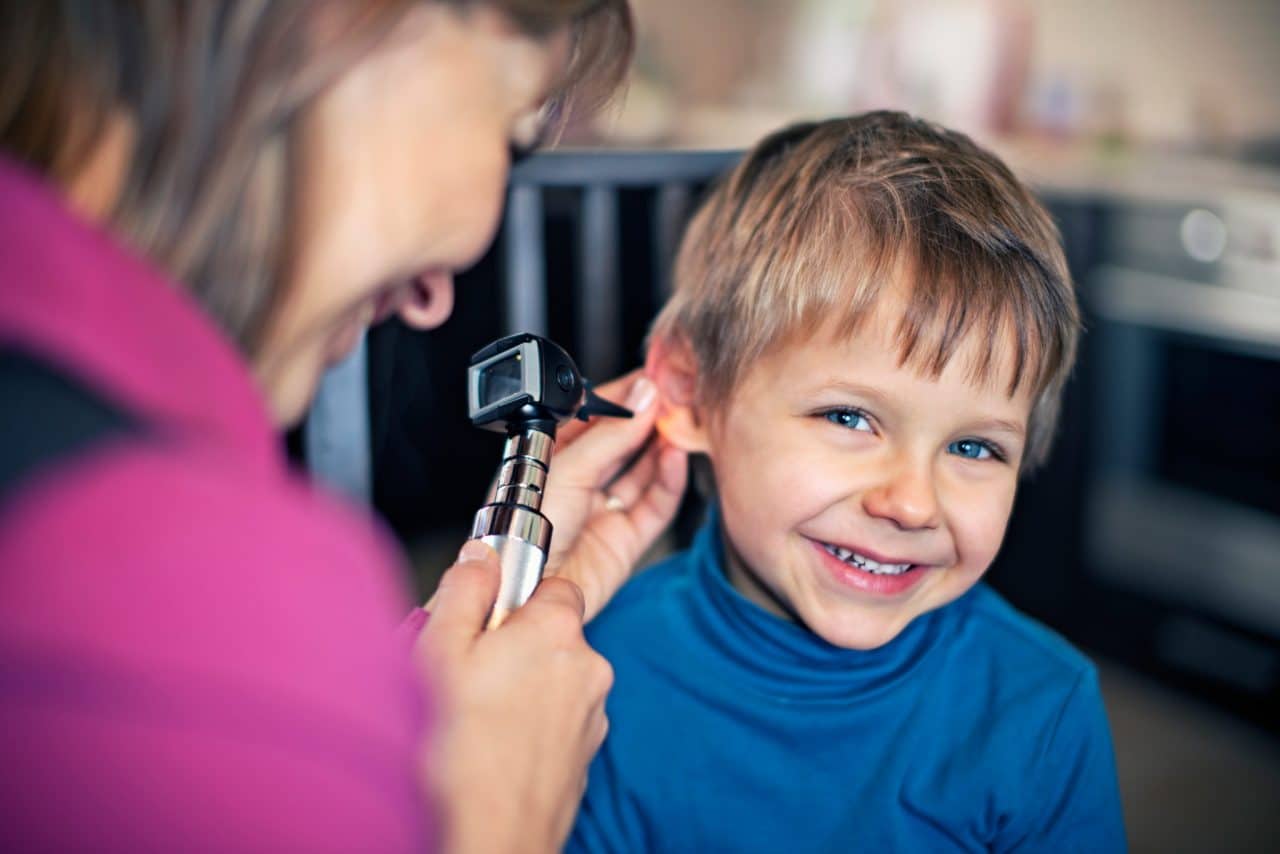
[(213, 90)]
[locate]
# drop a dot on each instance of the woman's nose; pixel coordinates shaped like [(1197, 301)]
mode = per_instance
[(905, 495)]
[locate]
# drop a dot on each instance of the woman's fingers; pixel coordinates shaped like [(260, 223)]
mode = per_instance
[(613, 487), (634, 528), (608, 548), (660, 500), (624, 490), (462, 602), (593, 459), (522, 708), (555, 599), (599, 453), (614, 390)]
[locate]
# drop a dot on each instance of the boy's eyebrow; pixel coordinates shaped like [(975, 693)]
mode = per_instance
[(871, 393), (1002, 425)]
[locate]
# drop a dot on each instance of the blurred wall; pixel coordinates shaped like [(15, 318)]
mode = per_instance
[(1191, 73), (1185, 69)]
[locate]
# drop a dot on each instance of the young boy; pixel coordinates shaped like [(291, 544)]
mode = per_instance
[(871, 327)]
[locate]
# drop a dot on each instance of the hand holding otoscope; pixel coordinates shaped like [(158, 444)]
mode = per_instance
[(522, 708), (525, 386)]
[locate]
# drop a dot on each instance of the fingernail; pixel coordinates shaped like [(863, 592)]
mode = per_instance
[(643, 391), (473, 551)]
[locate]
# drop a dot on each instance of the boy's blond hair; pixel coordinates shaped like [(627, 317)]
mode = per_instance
[(820, 217)]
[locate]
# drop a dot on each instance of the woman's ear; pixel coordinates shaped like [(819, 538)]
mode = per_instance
[(673, 368)]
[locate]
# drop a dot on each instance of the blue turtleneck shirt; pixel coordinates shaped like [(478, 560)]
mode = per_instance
[(731, 729)]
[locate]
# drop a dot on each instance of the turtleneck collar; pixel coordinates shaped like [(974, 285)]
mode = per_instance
[(783, 659)]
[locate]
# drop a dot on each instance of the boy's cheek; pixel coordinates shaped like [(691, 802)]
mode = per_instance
[(979, 540), (978, 512), (780, 479)]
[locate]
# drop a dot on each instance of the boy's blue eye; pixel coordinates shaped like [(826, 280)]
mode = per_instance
[(973, 449), (851, 418)]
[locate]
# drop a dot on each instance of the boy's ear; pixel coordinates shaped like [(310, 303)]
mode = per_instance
[(673, 368)]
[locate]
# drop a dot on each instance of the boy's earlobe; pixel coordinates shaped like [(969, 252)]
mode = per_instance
[(673, 368)]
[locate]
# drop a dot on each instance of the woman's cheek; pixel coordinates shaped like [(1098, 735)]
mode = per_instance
[(480, 202)]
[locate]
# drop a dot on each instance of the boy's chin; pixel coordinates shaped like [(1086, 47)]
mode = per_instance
[(858, 631)]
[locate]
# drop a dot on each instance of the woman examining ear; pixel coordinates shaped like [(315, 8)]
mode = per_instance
[(204, 205)]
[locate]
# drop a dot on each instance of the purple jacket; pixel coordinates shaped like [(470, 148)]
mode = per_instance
[(197, 650)]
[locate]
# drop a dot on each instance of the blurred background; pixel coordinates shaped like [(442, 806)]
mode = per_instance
[(1152, 130)]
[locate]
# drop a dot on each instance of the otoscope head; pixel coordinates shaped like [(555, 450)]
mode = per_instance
[(524, 386), (527, 382)]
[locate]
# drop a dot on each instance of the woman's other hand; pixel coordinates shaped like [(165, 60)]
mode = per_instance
[(521, 710), (600, 535)]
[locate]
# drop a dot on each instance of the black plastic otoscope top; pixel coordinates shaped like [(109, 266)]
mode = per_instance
[(525, 381)]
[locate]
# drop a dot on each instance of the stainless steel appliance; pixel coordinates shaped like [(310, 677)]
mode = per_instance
[(1182, 495)]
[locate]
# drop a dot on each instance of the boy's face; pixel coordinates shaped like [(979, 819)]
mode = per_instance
[(858, 494)]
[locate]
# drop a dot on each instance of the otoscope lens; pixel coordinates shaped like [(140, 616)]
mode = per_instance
[(501, 380)]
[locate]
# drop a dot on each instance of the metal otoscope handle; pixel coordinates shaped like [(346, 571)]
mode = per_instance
[(513, 523), (524, 385)]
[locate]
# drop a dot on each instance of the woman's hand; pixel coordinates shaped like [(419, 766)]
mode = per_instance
[(522, 706), (604, 518), (521, 710)]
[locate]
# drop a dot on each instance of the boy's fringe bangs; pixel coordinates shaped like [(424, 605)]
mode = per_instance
[(792, 245)]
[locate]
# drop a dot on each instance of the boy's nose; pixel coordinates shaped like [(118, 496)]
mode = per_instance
[(905, 495)]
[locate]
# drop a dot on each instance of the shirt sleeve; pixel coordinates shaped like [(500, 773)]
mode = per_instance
[(1076, 805)]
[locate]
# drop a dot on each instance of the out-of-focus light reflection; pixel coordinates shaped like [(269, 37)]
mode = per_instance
[(1204, 235)]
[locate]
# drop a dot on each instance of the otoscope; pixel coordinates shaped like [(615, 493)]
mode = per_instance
[(524, 386)]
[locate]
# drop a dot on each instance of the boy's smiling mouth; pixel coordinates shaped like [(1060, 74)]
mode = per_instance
[(865, 563), (878, 575)]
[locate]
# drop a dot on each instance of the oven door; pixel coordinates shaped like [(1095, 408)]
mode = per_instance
[(1183, 497)]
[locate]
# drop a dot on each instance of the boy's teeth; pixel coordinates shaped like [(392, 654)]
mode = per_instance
[(865, 563)]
